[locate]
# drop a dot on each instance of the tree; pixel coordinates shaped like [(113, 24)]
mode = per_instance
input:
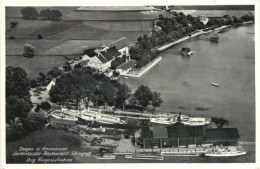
[(28, 51), (35, 121), (15, 129), (156, 101), (220, 122), (55, 72), (17, 107), (143, 96), (13, 24), (40, 36), (30, 13), (53, 15), (17, 83), (123, 92), (108, 91)]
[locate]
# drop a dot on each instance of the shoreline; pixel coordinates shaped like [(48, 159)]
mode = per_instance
[(200, 32), (150, 65)]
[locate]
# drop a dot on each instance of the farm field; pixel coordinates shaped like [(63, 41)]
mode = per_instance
[(137, 25), (15, 46), (71, 47), (99, 15), (54, 28), (37, 64), (80, 31), (130, 35), (221, 13), (24, 27)]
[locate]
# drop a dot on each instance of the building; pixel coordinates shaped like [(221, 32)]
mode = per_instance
[(61, 123), (126, 67), (121, 44), (181, 135), (101, 60), (109, 72)]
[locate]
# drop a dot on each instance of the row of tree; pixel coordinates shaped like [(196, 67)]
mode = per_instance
[(165, 29), (32, 13), (19, 119)]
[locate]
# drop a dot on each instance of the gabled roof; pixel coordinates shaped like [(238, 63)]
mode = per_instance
[(109, 54), (84, 62), (127, 65), (119, 44)]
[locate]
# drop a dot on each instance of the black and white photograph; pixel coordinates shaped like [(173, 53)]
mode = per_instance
[(129, 84)]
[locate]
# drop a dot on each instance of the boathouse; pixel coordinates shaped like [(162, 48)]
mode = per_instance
[(182, 136)]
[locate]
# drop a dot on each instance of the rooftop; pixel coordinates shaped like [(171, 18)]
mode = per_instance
[(119, 44), (109, 54), (127, 65)]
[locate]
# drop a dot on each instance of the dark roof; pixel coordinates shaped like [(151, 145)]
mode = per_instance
[(186, 131), (127, 65), (173, 131), (109, 54), (119, 44), (62, 121), (220, 133), (159, 131)]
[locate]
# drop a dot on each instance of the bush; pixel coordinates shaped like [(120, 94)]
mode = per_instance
[(28, 51), (30, 13), (40, 36)]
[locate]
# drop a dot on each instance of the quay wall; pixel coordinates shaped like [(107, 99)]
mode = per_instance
[(139, 74)]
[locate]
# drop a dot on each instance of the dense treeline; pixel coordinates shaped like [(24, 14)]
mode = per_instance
[(19, 119), (82, 84), (166, 29), (31, 13)]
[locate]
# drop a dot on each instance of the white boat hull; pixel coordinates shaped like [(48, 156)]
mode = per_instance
[(225, 154)]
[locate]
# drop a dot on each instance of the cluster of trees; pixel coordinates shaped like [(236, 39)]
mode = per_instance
[(220, 122), (228, 20), (19, 119), (82, 84), (143, 96), (31, 13), (165, 30), (118, 61)]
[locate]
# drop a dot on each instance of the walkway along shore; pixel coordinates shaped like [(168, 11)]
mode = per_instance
[(144, 69), (200, 32)]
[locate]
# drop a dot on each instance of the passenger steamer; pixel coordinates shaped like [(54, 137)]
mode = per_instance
[(229, 151)]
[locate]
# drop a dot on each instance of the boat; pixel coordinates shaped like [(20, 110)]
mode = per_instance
[(214, 38), (180, 154), (62, 115), (186, 52), (105, 157), (195, 121), (166, 121), (229, 151), (215, 84), (143, 157)]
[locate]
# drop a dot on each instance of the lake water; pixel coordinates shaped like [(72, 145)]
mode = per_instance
[(185, 82)]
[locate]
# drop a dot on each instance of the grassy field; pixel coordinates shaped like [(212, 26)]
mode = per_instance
[(138, 25), (74, 47), (37, 64), (15, 46), (24, 27), (130, 35), (80, 31), (107, 16), (54, 28)]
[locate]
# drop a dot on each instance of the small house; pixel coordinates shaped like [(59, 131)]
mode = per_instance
[(122, 45)]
